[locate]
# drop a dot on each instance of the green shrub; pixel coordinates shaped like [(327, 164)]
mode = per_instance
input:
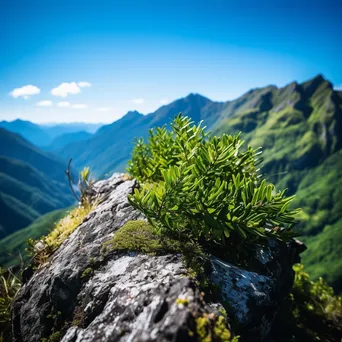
[(206, 187)]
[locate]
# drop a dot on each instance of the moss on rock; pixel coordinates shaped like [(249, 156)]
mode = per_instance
[(54, 337), (140, 236), (213, 329), (87, 272)]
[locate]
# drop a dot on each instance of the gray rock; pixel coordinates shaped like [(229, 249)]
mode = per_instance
[(138, 299), (254, 298), (88, 295)]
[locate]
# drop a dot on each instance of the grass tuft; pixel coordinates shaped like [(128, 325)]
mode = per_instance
[(9, 287)]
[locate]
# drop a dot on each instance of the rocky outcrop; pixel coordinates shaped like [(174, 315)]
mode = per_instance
[(86, 294), (254, 298)]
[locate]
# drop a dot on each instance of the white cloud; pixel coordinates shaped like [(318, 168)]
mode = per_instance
[(45, 103), (79, 106), (63, 104), (338, 87), (138, 101), (25, 91), (64, 89), (84, 84), (164, 101), (103, 109)]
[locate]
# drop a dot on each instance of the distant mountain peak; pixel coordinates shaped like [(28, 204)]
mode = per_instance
[(133, 113), (319, 78), (20, 120), (197, 97), (313, 84)]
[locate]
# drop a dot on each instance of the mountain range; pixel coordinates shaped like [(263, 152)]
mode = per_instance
[(299, 127), (50, 136)]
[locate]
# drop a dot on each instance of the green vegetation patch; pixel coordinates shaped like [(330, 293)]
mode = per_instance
[(140, 236), (87, 273), (54, 337), (211, 329), (9, 287), (316, 310)]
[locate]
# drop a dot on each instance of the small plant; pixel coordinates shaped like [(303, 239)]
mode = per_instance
[(42, 249), (9, 287), (206, 187), (83, 185)]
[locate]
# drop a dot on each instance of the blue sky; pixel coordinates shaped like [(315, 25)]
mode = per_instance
[(64, 61)]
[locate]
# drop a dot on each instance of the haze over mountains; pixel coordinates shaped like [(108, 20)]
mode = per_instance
[(299, 127)]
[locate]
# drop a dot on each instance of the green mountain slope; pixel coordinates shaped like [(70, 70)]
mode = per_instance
[(14, 214), (12, 246), (318, 194), (32, 183), (299, 127)]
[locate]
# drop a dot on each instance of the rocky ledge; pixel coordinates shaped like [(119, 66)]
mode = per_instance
[(83, 294)]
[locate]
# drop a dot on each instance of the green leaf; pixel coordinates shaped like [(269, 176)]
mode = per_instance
[(226, 233)]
